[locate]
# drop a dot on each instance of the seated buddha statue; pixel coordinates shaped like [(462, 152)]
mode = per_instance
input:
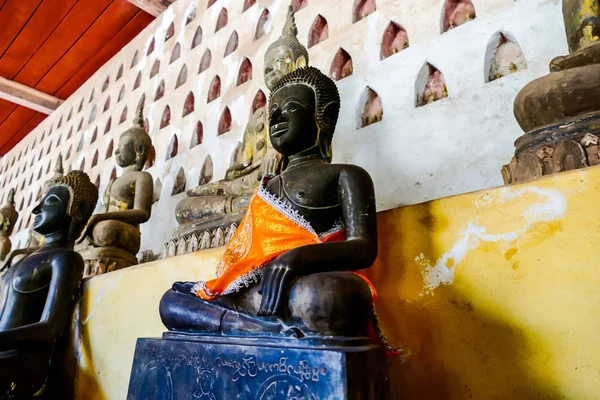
[(216, 201), (8, 217), (112, 239), (288, 269), (38, 293)]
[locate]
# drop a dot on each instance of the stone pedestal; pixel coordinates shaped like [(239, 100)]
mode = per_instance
[(215, 368), (100, 260)]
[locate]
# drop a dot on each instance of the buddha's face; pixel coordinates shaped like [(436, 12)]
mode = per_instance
[(292, 119), (279, 61), (51, 213), (125, 152)]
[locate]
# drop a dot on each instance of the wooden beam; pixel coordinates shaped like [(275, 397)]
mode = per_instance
[(152, 7), (28, 97)]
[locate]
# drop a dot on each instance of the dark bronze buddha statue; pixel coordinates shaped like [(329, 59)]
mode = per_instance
[(285, 271), (39, 292)]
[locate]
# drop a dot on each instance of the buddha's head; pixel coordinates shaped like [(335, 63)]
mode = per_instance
[(68, 203), (8, 214), (303, 112), (134, 145), (286, 54)]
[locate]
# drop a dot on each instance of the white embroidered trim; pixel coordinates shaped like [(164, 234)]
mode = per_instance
[(283, 207), (337, 227), (245, 281)]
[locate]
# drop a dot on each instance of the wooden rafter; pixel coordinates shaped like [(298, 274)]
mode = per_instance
[(28, 97), (152, 7)]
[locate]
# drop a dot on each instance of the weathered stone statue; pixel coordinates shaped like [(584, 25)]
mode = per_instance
[(291, 239), (560, 112), (224, 202), (284, 318), (39, 292), (8, 217), (112, 239)]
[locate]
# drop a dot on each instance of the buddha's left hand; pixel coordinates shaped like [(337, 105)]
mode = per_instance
[(274, 288)]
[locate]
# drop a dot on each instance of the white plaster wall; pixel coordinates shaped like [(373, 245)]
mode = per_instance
[(449, 147)]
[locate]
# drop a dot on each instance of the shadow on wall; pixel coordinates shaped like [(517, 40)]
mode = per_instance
[(453, 348)]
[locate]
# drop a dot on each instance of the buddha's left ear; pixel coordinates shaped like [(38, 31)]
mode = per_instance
[(82, 210)]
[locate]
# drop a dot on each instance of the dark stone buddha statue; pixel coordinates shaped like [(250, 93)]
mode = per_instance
[(40, 290), (286, 270)]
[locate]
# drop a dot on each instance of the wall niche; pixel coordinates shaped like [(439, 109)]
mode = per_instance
[(263, 23), (224, 122), (456, 13), (179, 184), (221, 20), (395, 39), (319, 31), (430, 85), (341, 67), (503, 57), (205, 61), (197, 135), (232, 44), (215, 89), (363, 8), (188, 105), (245, 72)]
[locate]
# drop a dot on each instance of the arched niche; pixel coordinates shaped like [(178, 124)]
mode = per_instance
[(135, 59), (95, 159), (69, 152), (188, 105), (221, 20), (70, 114), (93, 114), (341, 66), (362, 8), (155, 68), (197, 37), (107, 126), (69, 134), (97, 182), (170, 31), (142, 101), (224, 122), (430, 85), (80, 125), (210, 3), (245, 72), (319, 31), (138, 80), (261, 26), (395, 39), (175, 54), (215, 89), (109, 150), (173, 148), (80, 106), (165, 120), (205, 61), (248, 4), (160, 91), (197, 135), (121, 93), (456, 13), (94, 135), (503, 57), (299, 4), (191, 14), (206, 173), (81, 166), (232, 44), (157, 190), (123, 117), (104, 85), (91, 96), (372, 108), (150, 47), (179, 184), (80, 145), (236, 156), (113, 175), (182, 77), (119, 73), (106, 104), (260, 101)]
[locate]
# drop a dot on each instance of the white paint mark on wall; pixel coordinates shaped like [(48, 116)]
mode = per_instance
[(442, 272)]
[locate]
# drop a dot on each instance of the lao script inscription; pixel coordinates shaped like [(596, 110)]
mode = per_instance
[(249, 365)]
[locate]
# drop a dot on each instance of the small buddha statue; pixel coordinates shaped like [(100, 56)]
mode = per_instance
[(229, 197), (286, 269), (39, 291), (8, 217), (112, 239)]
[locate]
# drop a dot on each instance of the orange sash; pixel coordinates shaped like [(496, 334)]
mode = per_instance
[(269, 228)]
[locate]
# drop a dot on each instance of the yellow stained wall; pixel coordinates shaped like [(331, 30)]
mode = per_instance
[(493, 295)]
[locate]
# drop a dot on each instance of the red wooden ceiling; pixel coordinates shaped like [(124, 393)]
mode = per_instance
[(55, 46)]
